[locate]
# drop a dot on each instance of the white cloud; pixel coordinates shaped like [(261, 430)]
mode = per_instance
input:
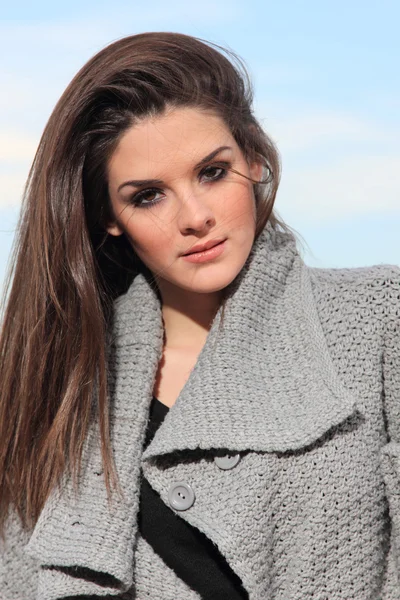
[(334, 165), (357, 185), (294, 133), (12, 188), (17, 147), (17, 151), (16, 93)]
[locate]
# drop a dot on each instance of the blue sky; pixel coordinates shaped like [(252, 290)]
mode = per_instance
[(327, 90)]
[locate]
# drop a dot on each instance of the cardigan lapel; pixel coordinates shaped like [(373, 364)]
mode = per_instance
[(263, 381), (81, 530)]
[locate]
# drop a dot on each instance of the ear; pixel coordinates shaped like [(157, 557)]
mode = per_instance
[(114, 229), (256, 171)]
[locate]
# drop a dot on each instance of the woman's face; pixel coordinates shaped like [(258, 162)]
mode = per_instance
[(183, 195)]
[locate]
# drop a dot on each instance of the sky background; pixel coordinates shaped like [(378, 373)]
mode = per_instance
[(327, 90)]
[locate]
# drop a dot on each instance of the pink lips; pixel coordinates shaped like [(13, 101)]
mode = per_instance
[(206, 246), (205, 255)]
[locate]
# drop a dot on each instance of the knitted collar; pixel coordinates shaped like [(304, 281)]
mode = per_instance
[(264, 381)]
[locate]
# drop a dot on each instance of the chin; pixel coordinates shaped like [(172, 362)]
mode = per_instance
[(208, 284)]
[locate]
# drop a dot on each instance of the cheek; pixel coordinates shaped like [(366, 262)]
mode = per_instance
[(242, 206), (149, 240)]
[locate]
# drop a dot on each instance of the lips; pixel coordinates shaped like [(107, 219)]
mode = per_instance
[(203, 247)]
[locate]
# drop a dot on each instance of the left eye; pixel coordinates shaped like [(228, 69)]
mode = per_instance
[(213, 173)]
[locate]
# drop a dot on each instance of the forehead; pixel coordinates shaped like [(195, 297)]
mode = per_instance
[(178, 138)]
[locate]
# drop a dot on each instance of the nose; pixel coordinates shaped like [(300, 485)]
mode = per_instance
[(194, 213)]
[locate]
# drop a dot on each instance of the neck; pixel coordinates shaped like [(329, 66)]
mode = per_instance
[(187, 315)]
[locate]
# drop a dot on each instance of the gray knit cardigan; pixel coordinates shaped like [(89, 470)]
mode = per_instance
[(302, 380)]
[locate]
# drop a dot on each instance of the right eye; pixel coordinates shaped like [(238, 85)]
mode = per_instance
[(146, 198)]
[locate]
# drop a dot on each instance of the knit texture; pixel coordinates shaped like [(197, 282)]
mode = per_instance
[(302, 379)]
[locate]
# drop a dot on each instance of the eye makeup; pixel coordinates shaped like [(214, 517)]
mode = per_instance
[(139, 198)]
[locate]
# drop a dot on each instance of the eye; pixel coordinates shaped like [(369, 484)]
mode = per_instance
[(146, 198), (215, 172)]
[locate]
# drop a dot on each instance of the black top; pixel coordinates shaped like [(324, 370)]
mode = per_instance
[(185, 549)]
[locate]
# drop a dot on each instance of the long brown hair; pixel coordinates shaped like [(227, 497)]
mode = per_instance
[(66, 270)]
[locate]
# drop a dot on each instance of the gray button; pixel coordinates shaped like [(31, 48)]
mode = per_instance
[(228, 461), (181, 495)]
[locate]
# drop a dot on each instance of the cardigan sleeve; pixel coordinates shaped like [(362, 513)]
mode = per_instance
[(390, 454)]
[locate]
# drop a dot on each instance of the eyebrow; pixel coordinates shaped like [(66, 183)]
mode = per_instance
[(143, 182)]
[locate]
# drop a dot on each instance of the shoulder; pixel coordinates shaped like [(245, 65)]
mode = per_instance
[(368, 295), (355, 276), (372, 281)]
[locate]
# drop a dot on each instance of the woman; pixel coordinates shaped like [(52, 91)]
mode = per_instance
[(187, 410)]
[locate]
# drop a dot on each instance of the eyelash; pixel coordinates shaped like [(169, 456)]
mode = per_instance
[(137, 198)]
